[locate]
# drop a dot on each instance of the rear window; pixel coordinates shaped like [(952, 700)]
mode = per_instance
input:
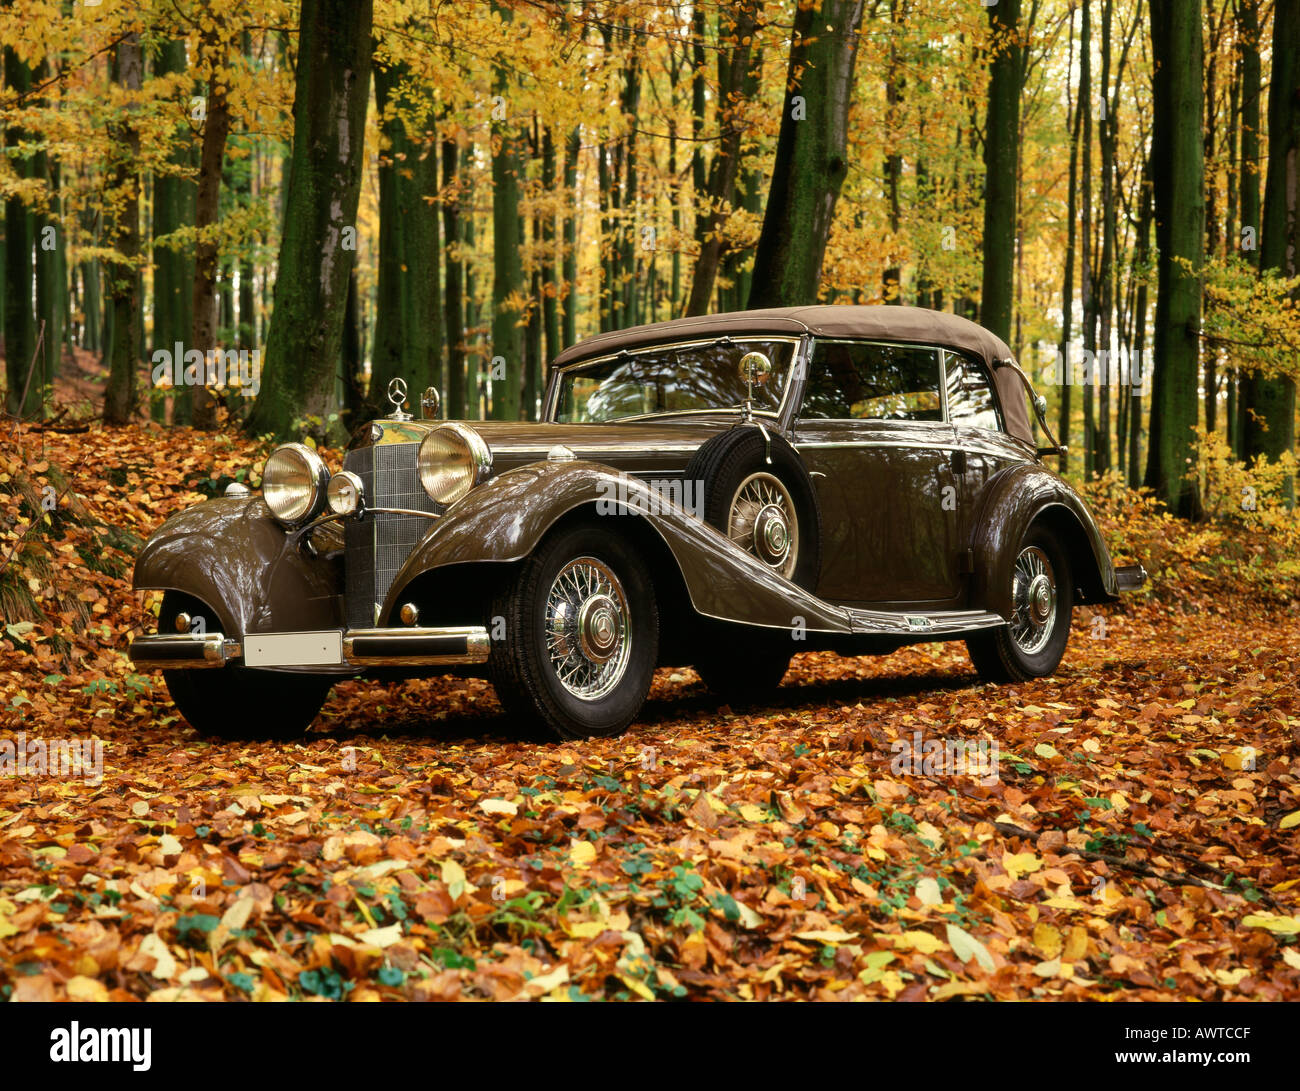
[(970, 396)]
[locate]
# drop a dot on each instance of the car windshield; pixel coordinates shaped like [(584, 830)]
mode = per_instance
[(695, 378)]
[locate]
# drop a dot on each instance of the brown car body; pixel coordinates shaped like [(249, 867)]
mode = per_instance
[(887, 576)]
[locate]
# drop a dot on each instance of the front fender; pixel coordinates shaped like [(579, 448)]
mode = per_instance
[(503, 520), (230, 553), (1016, 498)]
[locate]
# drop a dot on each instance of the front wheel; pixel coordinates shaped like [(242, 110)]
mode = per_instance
[(236, 702), (1042, 601), (243, 703), (581, 635)]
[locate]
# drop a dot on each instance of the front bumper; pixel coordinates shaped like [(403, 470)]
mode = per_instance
[(355, 649)]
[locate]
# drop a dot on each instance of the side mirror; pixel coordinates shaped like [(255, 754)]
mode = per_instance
[(429, 403), (755, 368)]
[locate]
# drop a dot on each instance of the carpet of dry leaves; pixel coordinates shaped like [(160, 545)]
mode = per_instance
[(1139, 842)]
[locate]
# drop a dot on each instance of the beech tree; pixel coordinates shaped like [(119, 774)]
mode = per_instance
[(1001, 148), (122, 349), (1177, 171), (1269, 402), (811, 152), (408, 311), (318, 246)]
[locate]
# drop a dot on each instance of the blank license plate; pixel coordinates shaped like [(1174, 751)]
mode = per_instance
[(294, 649)]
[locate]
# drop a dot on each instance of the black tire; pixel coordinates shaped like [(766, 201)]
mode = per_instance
[(744, 667), (522, 666), (243, 703), (240, 702), (723, 463), (998, 654)]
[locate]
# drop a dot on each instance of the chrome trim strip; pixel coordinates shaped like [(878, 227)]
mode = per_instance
[(605, 449), (403, 511), (818, 445), (957, 445), (682, 413)]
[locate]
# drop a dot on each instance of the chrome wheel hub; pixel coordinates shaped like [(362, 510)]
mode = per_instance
[(588, 628), (1033, 597), (763, 522), (598, 628), (771, 535)]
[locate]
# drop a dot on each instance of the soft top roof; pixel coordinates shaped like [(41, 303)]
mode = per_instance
[(878, 322)]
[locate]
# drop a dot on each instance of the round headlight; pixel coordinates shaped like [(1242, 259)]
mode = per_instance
[(453, 459), (293, 483), (344, 493)]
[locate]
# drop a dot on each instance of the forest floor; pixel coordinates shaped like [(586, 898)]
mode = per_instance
[(1139, 838)]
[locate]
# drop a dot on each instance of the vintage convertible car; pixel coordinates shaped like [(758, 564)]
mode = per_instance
[(721, 491)]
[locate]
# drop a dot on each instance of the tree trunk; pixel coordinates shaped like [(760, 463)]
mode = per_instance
[(173, 264), (1178, 188), (212, 154), (733, 68), (550, 261), (408, 314), (891, 283), (51, 268), (1108, 139), (1269, 401), (1001, 150), (1142, 254), (122, 350), (1214, 28), (1248, 180), (20, 242), (317, 247), (1088, 273), (507, 357), (454, 302), (357, 408), (572, 147), (1065, 366), (810, 155)]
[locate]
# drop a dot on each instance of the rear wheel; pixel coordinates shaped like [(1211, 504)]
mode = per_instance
[(744, 667), (236, 702), (581, 635), (1042, 602)]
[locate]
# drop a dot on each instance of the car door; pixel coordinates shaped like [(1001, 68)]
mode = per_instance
[(981, 436), (872, 431)]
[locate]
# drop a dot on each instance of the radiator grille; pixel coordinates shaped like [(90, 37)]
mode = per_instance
[(379, 544)]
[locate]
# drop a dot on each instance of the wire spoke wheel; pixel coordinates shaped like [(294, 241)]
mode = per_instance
[(1033, 597), (588, 628), (762, 521)]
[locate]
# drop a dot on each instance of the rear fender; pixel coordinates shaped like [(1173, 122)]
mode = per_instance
[(1017, 498), (503, 521), (231, 554)]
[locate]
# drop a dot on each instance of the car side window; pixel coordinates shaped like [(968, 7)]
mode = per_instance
[(970, 397), (860, 380)]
